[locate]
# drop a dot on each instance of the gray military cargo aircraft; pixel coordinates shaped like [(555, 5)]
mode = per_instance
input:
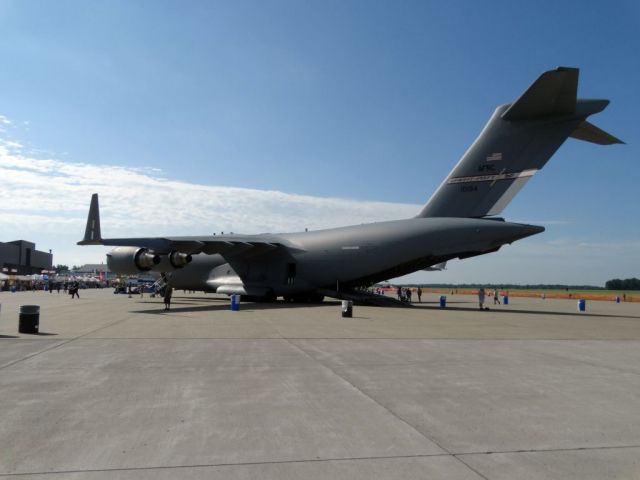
[(458, 221)]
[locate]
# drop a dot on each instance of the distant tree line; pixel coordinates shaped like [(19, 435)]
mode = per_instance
[(626, 284), (511, 286)]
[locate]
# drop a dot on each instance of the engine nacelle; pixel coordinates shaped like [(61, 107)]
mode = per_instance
[(131, 260), (173, 261), (179, 259)]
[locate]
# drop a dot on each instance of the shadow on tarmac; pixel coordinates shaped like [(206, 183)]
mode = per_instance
[(217, 304), (224, 305)]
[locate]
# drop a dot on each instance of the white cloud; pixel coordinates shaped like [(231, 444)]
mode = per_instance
[(4, 120), (46, 200), (49, 198), (12, 144)]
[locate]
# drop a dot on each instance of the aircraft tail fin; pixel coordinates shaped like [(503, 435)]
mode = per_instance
[(517, 141), (92, 234)]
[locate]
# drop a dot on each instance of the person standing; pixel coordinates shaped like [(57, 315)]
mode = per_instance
[(141, 287), (168, 291), (419, 292), (496, 296), (481, 297), (73, 289)]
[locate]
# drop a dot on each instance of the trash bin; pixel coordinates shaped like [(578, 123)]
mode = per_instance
[(29, 319), (582, 305), (347, 308), (443, 301), (505, 300), (617, 299), (235, 303)]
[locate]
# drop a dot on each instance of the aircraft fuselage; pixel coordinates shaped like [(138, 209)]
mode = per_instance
[(350, 256)]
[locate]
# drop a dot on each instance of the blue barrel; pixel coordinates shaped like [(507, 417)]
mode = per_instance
[(235, 303), (505, 300), (582, 305), (443, 301)]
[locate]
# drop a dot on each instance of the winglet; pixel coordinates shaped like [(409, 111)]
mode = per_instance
[(92, 232)]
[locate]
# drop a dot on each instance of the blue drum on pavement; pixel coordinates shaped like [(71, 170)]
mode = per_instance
[(582, 305)]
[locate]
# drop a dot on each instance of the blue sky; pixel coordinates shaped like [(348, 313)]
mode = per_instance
[(329, 112)]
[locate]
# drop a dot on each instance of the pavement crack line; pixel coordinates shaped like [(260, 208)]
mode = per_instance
[(549, 450), (228, 464), (312, 460), (384, 407), (61, 344)]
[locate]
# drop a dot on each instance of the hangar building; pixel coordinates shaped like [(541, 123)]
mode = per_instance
[(21, 258)]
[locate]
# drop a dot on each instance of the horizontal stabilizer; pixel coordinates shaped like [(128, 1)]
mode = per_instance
[(553, 93), (590, 133)]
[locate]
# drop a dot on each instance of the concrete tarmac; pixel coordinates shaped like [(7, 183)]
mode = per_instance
[(117, 388)]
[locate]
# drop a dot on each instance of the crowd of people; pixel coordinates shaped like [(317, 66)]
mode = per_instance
[(50, 286), (72, 287), (482, 294), (405, 294)]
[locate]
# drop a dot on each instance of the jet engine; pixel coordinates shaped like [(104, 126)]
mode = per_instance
[(179, 259), (131, 260), (173, 261)]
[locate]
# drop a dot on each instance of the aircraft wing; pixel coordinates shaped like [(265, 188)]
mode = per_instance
[(226, 245)]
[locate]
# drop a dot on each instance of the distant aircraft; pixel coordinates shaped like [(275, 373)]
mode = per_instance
[(458, 221)]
